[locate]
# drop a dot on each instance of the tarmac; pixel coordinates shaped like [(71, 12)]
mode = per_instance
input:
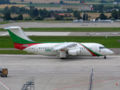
[(52, 73), (59, 24), (106, 34)]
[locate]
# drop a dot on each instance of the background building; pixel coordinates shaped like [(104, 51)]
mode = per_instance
[(59, 4), (37, 1)]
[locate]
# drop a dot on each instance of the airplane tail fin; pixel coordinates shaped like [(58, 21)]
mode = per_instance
[(18, 36), (21, 41)]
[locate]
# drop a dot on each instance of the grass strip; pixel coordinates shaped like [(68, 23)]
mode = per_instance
[(109, 42), (74, 29), (1, 29), (67, 29), (12, 52)]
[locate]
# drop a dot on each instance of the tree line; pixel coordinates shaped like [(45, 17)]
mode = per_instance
[(33, 12), (114, 15), (41, 14)]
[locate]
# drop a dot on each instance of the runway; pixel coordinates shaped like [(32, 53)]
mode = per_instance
[(67, 33), (51, 73), (59, 24)]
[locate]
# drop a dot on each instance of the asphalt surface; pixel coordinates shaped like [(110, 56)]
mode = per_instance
[(41, 24), (67, 33), (51, 73), (115, 50)]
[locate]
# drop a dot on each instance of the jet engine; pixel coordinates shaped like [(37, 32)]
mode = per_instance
[(74, 52)]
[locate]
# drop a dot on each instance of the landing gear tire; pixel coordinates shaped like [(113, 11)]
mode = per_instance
[(105, 57), (62, 58)]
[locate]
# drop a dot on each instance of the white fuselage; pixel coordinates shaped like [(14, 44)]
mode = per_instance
[(84, 49)]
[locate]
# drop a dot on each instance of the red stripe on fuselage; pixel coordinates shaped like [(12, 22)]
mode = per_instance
[(93, 54), (23, 46)]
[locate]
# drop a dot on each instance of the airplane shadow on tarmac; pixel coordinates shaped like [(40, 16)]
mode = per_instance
[(70, 58)]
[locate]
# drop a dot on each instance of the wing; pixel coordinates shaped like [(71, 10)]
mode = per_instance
[(64, 46)]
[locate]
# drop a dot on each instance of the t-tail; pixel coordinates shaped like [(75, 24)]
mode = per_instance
[(21, 41)]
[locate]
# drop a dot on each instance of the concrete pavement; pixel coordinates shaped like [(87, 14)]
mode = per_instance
[(51, 73), (67, 33), (62, 24)]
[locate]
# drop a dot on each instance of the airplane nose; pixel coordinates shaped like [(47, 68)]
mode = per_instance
[(110, 52)]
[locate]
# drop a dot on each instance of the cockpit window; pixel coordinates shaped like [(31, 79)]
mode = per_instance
[(101, 47)]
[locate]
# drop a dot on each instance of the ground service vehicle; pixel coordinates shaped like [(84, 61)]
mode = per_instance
[(3, 72)]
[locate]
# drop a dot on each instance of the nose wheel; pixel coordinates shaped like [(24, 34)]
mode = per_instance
[(105, 57)]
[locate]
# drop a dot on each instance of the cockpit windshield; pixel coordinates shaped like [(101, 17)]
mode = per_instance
[(101, 47)]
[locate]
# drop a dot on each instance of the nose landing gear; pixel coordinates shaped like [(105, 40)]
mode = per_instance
[(105, 57)]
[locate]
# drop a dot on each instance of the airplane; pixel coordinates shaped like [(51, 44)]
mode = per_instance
[(62, 49)]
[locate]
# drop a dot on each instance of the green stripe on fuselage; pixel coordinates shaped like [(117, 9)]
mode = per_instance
[(97, 54)]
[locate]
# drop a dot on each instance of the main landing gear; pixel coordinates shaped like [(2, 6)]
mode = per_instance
[(62, 54)]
